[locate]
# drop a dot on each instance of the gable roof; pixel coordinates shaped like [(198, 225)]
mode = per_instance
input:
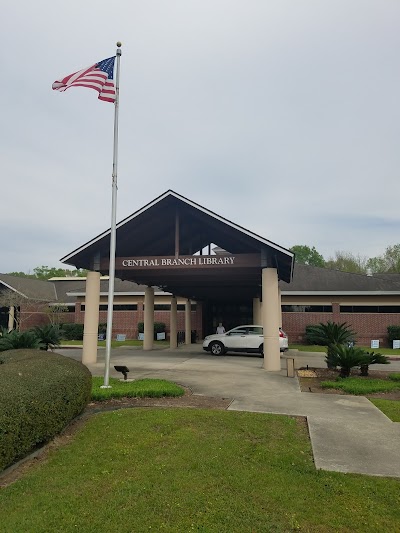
[(315, 280), (29, 288), (151, 231)]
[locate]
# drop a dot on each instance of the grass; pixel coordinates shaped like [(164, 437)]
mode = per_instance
[(182, 470), (361, 386), (114, 343), (316, 348), (391, 408), (142, 388)]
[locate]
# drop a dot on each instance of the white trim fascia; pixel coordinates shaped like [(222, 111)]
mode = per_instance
[(13, 289), (139, 293), (192, 204), (340, 293), (69, 304)]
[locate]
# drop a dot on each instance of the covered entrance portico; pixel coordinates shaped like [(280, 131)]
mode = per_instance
[(169, 244)]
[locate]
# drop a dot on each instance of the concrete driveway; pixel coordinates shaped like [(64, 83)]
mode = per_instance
[(348, 433)]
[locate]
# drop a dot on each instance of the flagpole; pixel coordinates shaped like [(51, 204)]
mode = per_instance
[(113, 232)]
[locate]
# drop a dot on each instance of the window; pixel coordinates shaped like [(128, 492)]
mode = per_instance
[(257, 330), (181, 307), (238, 331), (306, 308), (162, 307), (370, 309), (116, 307)]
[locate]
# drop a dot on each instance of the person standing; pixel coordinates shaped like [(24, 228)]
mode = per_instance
[(220, 329)]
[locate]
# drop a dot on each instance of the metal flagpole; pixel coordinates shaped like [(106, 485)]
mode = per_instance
[(110, 303)]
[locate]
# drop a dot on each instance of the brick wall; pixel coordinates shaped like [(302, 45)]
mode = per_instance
[(126, 322), (368, 326)]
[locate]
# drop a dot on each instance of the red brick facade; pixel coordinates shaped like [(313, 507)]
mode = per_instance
[(368, 326)]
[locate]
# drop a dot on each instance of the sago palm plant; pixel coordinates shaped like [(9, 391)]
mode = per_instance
[(16, 339), (372, 358), (330, 334), (347, 358), (49, 336)]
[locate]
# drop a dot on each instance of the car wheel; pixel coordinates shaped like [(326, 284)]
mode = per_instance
[(217, 348), (261, 350)]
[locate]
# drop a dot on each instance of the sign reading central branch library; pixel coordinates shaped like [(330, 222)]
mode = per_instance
[(186, 261)]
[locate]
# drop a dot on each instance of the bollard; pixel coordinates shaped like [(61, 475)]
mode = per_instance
[(290, 367)]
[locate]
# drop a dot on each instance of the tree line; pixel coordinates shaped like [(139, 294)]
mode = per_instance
[(387, 263), (44, 272)]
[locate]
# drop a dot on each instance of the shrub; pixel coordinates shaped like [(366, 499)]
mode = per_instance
[(330, 334), (372, 358), (40, 393), (15, 340), (159, 327), (72, 332), (49, 336), (393, 333), (346, 358)]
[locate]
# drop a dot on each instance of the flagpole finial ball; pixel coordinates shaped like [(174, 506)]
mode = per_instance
[(119, 44)]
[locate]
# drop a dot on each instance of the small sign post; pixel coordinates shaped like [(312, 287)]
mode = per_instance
[(396, 344), (375, 343)]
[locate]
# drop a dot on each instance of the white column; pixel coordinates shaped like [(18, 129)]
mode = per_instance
[(148, 342), (91, 322), (270, 319), (173, 324), (11, 315), (256, 311), (188, 322)]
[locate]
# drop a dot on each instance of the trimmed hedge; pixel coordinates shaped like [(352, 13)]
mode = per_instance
[(72, 332), (40, 393), (393, 333), (159, 327)]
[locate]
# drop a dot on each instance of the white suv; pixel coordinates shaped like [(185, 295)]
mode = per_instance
[(248, 338)]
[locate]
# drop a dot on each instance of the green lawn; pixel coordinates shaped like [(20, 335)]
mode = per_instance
[(361, 386), (141, 388), (114, 343), (391, 408), (181, 470), (315, 348)]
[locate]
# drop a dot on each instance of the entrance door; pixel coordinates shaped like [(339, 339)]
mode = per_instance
[(230, 314)]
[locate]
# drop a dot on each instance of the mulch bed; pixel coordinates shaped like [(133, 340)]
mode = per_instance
[(310, 381)]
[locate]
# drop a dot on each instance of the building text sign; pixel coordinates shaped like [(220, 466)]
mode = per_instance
[(185, 261)]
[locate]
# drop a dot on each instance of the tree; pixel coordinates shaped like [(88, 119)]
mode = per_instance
[(21, 275), (307, 256), (347, 262), (389, 262), (55, 312), (44, 273)]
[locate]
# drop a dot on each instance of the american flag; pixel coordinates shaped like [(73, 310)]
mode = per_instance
[(98, 77)]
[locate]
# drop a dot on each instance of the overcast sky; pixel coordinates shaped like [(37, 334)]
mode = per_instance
[(281, 115)]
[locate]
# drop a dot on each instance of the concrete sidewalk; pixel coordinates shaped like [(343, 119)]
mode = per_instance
[(348, 433)]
